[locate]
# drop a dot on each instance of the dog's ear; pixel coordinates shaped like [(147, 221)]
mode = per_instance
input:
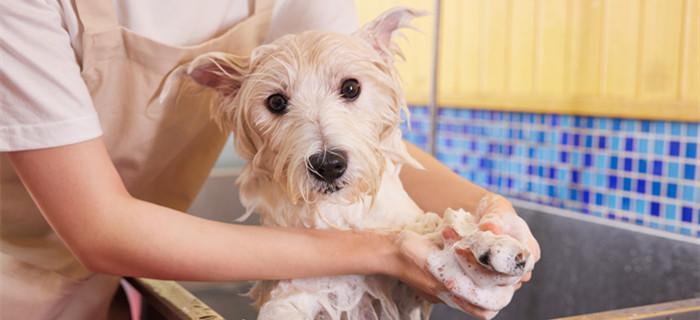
[(220, 71), (380, 32)]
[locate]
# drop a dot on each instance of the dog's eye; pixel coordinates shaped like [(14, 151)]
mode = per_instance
[(350, 89), (276, 103)]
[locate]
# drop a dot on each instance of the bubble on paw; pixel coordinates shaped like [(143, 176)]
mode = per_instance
[(499, 253), (481, 267), (475, 287)]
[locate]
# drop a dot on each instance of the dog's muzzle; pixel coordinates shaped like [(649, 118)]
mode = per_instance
[(328, 166)]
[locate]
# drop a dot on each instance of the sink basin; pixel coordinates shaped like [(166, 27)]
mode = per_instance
[(586, 267), (678, 310)]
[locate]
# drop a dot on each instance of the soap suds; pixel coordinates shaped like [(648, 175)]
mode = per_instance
[(478, 266)]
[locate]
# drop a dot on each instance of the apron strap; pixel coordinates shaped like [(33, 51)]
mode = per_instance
[(99, 15), (96, 15), (255, 6)]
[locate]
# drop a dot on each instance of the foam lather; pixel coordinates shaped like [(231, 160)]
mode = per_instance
[(478, 266)]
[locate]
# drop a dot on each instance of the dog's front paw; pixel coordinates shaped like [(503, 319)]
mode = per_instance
[(499, 253), (470, 283), (478, 267)]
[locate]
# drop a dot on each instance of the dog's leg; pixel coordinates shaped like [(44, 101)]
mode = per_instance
[(411, 305)]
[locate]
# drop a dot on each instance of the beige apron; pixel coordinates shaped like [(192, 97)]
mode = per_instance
[(163, 154)]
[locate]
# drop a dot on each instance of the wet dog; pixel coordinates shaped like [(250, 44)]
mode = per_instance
[(317, 115)]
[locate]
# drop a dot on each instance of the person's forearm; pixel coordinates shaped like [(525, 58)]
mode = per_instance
[(151, 241), (82, 196), (437, 188)]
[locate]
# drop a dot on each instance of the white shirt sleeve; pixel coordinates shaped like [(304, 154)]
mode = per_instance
[(43, 99), (292, 16)]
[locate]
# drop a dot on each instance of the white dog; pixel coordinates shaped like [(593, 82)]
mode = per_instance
[(317, 117)]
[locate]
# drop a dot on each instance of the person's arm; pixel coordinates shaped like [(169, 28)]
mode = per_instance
[(437, 187), (80, 193)]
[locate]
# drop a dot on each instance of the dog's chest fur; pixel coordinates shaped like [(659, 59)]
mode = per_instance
[(391, 209)]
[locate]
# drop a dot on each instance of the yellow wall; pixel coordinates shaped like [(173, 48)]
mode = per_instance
[(628, 58)]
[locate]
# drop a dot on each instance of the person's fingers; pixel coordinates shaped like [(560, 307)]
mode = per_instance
[(422, 280), (427, 287), (534, 248), (431, 298), (520, 284), (415, 247), (434, 286), (449, 234), (494, 204), (491, 226), (526, 277), (473, 309)]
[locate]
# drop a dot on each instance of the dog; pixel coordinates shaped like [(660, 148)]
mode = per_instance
[(317, 116)]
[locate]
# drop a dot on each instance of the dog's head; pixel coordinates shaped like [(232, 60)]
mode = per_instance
[(316, 113)]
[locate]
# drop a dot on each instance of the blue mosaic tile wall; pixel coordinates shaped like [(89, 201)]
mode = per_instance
[(637, 171)]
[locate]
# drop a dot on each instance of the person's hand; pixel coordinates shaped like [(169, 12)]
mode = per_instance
[(409, 264), (497, 215), (412, 269)]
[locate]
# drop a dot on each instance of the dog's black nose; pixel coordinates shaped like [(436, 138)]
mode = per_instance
[(328, 166)]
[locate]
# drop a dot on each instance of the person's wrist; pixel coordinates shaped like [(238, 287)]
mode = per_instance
[(491, 202), (387, 254)]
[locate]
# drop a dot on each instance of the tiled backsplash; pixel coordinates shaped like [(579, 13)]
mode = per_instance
[(637, 171)]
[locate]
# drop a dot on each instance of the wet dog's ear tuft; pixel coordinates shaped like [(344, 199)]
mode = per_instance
[(220, 71), (380, 32)]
